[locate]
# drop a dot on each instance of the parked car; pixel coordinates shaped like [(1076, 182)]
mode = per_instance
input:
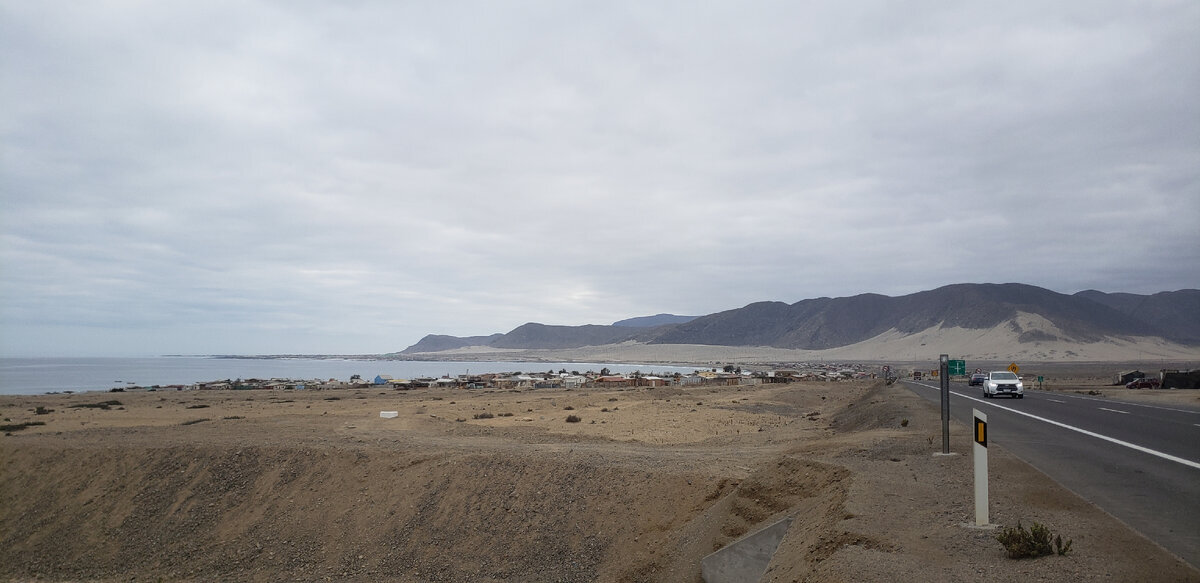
[(1002, 382), (976, 379), (1147, 383)]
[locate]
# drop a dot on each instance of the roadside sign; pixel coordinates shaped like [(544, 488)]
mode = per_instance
[(978, 370), (1014, 368), (957, 367)]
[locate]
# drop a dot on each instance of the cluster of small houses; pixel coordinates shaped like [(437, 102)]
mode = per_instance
[(556, 380)]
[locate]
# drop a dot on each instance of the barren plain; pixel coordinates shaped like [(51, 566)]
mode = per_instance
[(639, 485)]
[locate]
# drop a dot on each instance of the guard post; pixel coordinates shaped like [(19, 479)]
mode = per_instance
[(981, 469), (943, 374)]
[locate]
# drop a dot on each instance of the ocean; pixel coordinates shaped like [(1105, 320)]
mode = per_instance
[(31, 376)]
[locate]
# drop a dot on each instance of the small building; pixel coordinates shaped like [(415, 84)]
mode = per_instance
[(1127, 376), (383, 379), (1180, 379), (614, 381)]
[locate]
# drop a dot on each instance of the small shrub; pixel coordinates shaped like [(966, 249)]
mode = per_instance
[(573, 419), (484, 415), (604, 410), (198, 406), (43, 411), (506, 414), (233, 417), (193, 421), (100, 405), (333, 398), (568, 408), (612, 399), (20, 426), (904, 423), (1035, 542)]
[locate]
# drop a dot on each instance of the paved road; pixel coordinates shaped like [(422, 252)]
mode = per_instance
[(1140, 463)]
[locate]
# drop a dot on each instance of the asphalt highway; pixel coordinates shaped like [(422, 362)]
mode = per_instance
[(1138, 462)]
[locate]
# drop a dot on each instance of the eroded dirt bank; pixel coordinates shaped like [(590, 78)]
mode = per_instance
[(500, 487)]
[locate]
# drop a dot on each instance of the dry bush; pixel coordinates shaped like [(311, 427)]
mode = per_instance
[(1035, 542)]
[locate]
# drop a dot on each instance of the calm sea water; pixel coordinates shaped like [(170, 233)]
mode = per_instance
[(27, 376)]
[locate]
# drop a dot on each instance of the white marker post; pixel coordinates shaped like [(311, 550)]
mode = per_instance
[(981, 470)]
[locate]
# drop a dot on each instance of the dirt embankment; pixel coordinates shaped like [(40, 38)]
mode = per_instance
[(500, 487)]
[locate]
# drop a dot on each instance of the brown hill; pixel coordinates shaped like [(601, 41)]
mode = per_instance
[(832, 323)]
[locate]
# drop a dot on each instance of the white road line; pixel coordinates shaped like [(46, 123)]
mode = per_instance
[(1056, 401), (1129, 404), (1113, 410), (1133, 446)]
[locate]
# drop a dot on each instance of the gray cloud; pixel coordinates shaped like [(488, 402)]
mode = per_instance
[(305, 177)]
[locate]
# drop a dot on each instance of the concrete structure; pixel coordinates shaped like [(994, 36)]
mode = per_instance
[(1180, 379), (746, 559)]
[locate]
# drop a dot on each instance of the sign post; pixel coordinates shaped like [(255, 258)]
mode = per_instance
[(981, 469), (944, 361)]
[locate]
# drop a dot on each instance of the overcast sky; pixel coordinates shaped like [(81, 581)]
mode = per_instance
[(318, 177)]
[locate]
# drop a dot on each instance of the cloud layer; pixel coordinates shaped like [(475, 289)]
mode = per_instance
[(258, 177)]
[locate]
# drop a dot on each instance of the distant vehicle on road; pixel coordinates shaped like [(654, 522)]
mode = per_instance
[(1147, 383), (976, 379), (1002, 382)]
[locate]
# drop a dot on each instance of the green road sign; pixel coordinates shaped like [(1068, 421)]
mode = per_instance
[(957, 367)]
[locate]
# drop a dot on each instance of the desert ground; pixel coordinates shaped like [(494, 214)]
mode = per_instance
[(499, 486)]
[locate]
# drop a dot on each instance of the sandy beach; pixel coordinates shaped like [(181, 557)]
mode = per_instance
[(639, 485)]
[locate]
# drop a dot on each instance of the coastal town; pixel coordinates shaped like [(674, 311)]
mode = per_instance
[(728, 375)]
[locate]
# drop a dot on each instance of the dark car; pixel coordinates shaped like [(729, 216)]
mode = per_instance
[(976, 380), (1142, 384)]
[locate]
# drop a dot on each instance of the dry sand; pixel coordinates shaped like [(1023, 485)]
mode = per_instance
[(314, 485)]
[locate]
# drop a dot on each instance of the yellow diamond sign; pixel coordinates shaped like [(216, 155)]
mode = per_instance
[(1014, 368)]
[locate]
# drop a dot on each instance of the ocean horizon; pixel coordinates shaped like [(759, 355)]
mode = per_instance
[(32, 376)]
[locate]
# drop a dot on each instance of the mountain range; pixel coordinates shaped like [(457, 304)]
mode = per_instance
[(1026, 314)]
